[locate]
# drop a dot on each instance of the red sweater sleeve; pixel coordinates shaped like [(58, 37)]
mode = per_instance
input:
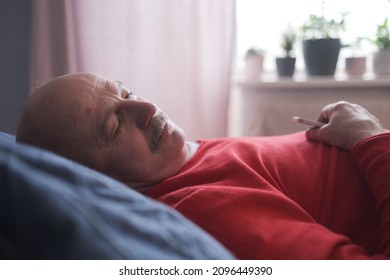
[(373, 158)]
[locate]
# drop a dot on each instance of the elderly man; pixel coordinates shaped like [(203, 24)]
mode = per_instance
[(323, 195)]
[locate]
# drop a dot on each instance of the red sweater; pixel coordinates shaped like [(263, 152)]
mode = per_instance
[(285, 197)]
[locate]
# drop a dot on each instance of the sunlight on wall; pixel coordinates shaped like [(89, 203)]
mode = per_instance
[(260, 23)]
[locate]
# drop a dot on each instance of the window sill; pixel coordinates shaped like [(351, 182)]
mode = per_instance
[(303, 81)]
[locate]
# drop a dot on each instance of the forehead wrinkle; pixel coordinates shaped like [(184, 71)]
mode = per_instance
[(95, 85)]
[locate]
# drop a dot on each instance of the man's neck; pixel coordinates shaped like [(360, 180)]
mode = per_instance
[(192, 147)]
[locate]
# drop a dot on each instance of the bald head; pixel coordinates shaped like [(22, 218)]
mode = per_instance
[(53, 113)]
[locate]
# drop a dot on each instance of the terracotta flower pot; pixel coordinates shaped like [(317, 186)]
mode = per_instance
[(355, 65)]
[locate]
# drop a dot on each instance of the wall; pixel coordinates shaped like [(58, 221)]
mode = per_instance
[(14, 46)]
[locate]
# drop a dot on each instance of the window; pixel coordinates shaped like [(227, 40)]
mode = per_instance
[(261, 23)]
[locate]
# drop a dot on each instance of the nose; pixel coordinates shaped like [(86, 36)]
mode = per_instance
[(138, 111)]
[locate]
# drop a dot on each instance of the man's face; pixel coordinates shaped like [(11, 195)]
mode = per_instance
[(117, 132)]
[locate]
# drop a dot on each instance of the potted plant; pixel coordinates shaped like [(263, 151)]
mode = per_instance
[(381, 58), (321, 45), (285, 66), (355, 63), (254, 58)]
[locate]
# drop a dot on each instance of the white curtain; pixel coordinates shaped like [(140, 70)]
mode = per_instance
[(176, 53)]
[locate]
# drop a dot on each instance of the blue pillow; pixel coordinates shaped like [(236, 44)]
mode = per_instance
[(7, 138), (53, 208)]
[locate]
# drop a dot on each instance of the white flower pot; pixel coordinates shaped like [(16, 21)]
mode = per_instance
[(381, 62), (253, 66)]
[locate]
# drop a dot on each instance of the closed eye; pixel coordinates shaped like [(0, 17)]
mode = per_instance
[(127, 95), (122, 91)]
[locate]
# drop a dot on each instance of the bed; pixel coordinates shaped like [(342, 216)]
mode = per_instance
[(53, 208)]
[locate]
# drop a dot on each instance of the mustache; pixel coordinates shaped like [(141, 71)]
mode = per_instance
[(158, 123)]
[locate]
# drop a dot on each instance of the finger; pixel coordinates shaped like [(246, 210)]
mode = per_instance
[(326, 113), (313, 134)]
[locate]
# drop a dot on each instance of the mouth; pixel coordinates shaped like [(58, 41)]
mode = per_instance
[(158, 127)]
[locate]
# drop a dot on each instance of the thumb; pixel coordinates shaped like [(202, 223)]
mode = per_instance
[(313, 134)]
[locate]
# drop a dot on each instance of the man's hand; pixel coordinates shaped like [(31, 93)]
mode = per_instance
[(346, 125)]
